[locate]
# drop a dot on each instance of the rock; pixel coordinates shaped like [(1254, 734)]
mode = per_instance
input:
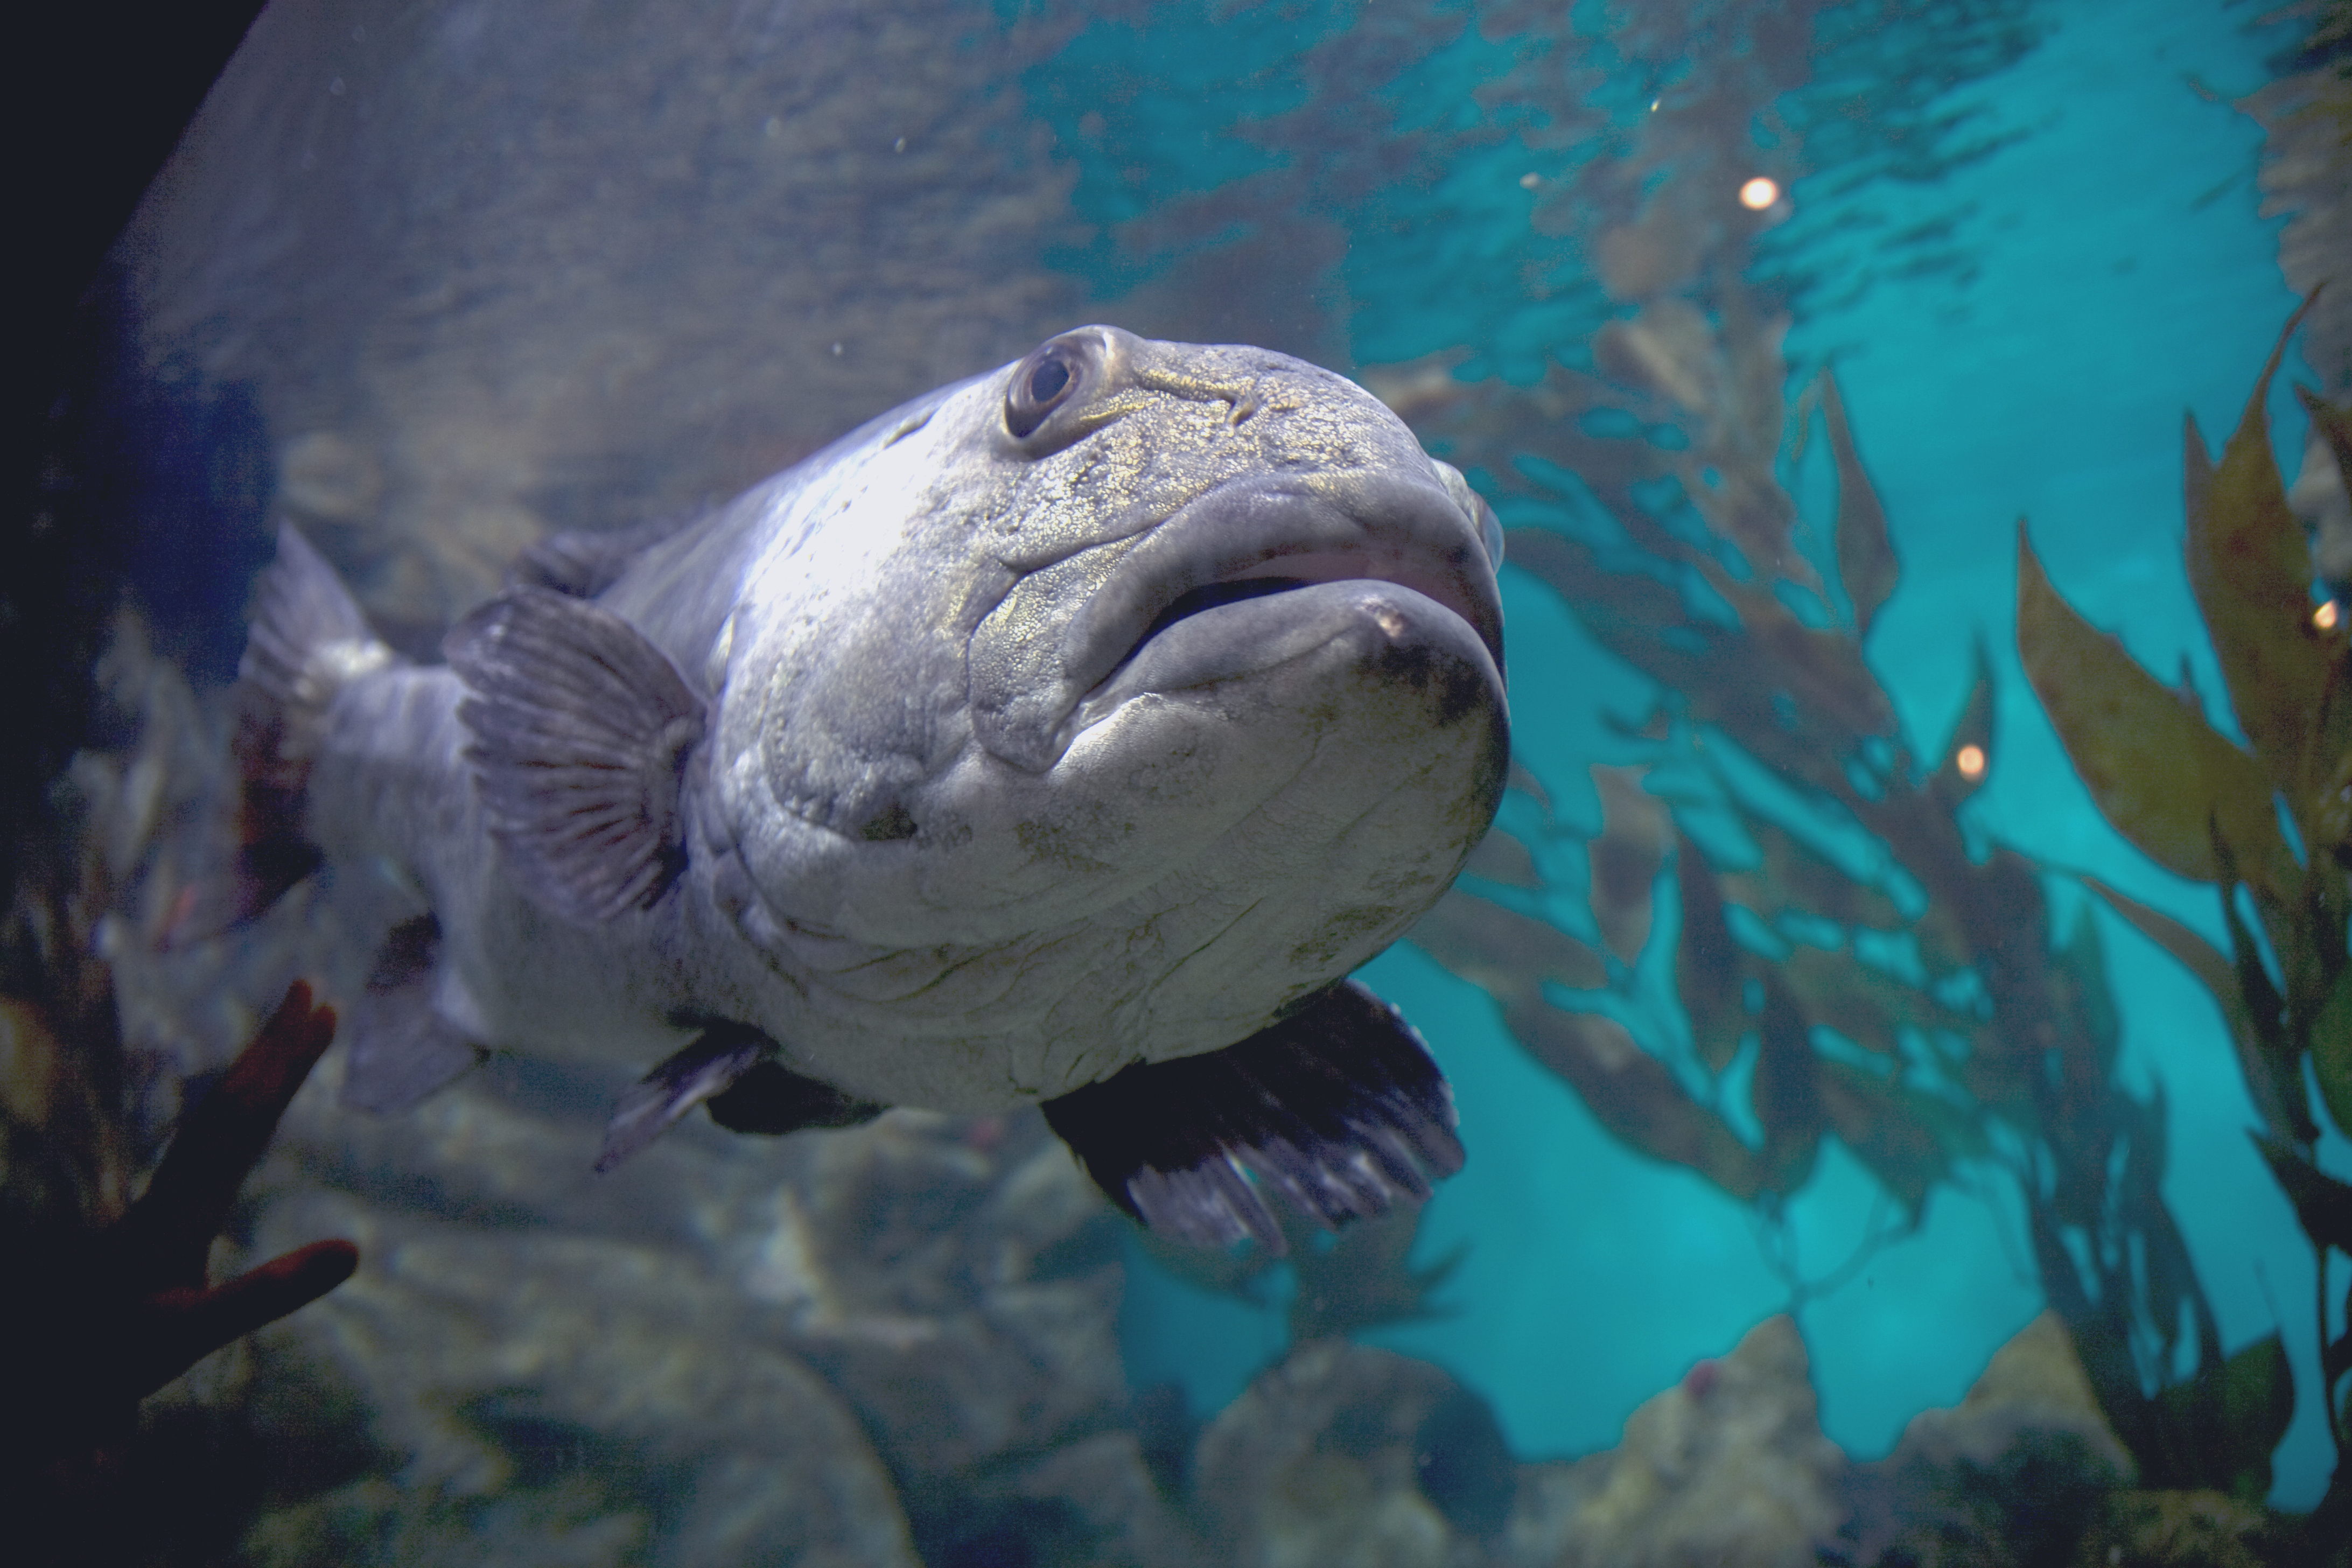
[(924, 1302), (841, 1346), (2011, 1475), (1103, 1491), (326, 479), (2178, 1529), (2303, 113), (2036, 1382), (552, 1397), (1344, 1454), (1728, 1470)]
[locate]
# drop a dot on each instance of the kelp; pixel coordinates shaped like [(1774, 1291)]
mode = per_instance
[(1844, 955), (2218, 810)]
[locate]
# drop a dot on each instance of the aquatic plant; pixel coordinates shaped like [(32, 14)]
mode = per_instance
[(1789, 928), (2268, 824)]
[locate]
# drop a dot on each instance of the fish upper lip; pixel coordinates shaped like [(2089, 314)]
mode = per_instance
[(1323, 528)]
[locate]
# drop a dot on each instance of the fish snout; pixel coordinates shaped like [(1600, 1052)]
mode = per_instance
[(1242, 577)]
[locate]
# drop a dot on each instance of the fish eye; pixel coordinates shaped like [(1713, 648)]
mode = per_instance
[(1043, 382), (1047, 380)]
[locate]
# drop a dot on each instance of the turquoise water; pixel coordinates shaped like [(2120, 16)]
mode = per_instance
[(2113, 270)]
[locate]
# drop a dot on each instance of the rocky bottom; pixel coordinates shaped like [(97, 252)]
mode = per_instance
[(896, 1344)]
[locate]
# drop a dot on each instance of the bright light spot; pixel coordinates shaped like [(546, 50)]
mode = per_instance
[(1758, 194), (1530, 180), (2327, 616), (1971, 762), (1653, 104)]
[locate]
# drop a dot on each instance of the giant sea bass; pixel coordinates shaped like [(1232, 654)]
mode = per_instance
[(1065, 736)]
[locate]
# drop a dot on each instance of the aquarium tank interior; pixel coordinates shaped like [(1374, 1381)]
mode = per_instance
[(1899, 1019)]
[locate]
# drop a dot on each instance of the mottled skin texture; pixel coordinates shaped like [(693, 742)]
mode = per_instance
[(947, 841)]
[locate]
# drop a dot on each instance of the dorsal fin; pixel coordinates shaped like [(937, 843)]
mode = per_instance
[(309, 637), (580, 727), (582, 565)]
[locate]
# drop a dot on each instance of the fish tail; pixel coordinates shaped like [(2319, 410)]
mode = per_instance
[(307, 641)]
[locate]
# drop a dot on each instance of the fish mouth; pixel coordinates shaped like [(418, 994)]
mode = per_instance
[(1215, 559), (1242, 577), (1232, 630)]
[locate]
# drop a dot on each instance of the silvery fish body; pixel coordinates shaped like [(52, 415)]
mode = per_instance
[(1103, 711)]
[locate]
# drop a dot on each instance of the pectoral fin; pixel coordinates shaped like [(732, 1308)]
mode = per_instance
[(732, 1067), (684, 1080), (1338, 1107), (581, 728), (771, 1097)]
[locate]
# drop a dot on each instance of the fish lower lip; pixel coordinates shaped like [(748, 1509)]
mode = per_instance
[(1209, 597), (1034, 663), (1251, 633), (1372, 527), (1278, 575)]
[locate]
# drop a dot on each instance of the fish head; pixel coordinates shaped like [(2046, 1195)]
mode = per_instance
[(1189, 648)]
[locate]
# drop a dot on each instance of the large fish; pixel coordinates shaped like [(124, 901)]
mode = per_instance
[(1065, 736)]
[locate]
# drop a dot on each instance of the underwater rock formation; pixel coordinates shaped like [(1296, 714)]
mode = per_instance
[(841, 1347), (1345, 1454), (1728, 1467), (2013, 1474), (897, 1344)]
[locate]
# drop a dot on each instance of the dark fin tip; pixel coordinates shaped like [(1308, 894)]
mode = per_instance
[(772, 1100), (1338, 1107)]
